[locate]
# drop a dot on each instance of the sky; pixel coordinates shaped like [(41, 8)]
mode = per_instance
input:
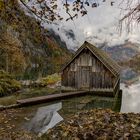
[(100, 25)]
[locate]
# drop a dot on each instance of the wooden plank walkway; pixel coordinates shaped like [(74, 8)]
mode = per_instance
[(47, 98)]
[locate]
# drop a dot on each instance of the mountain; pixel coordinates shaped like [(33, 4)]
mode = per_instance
[(26, 48), (123, 52)]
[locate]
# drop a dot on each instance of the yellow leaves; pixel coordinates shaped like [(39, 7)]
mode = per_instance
[(13, 125), (6, 122), (12, 52), (133, 125), (65, 134), (51, 79), (1, 4), (8, 84), (91, 118)]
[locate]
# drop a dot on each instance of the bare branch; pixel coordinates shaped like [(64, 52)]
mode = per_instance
[(32, 11), (132, 13)]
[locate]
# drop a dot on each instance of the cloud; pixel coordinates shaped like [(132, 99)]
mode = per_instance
[(70, 34), (98, 26)]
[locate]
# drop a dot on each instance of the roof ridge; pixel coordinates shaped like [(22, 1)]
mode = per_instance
[(101, 55), (105, 57)]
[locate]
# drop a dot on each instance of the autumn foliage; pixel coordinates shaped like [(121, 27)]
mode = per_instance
[(8, 84)]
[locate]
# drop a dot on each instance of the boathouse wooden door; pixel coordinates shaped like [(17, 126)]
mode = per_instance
[(85, 77)]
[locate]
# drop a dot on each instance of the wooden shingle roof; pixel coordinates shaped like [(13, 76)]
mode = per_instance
[(101, 55)]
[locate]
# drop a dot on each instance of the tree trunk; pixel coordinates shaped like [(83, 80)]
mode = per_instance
[(7, 63)]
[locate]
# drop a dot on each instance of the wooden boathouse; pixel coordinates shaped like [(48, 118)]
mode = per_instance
[(91, 69)]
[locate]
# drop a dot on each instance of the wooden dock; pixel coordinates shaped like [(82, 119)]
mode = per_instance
[(48, 98), (52, 97)]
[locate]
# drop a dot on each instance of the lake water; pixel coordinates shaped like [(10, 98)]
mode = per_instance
[(48, 115), (131, 98), (130, 102)]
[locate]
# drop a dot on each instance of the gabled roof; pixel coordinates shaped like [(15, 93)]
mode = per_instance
[(101, 55)]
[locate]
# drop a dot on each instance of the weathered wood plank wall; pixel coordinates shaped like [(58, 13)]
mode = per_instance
[(86, 71)]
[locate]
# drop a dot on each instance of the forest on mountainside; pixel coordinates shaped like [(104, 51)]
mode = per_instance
[(27, 49)]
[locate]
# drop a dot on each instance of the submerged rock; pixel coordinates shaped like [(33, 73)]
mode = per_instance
[(45, 118)]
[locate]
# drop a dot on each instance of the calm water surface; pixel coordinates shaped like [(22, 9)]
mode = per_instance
[(129, 102), (46, 116), (131, 98)]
